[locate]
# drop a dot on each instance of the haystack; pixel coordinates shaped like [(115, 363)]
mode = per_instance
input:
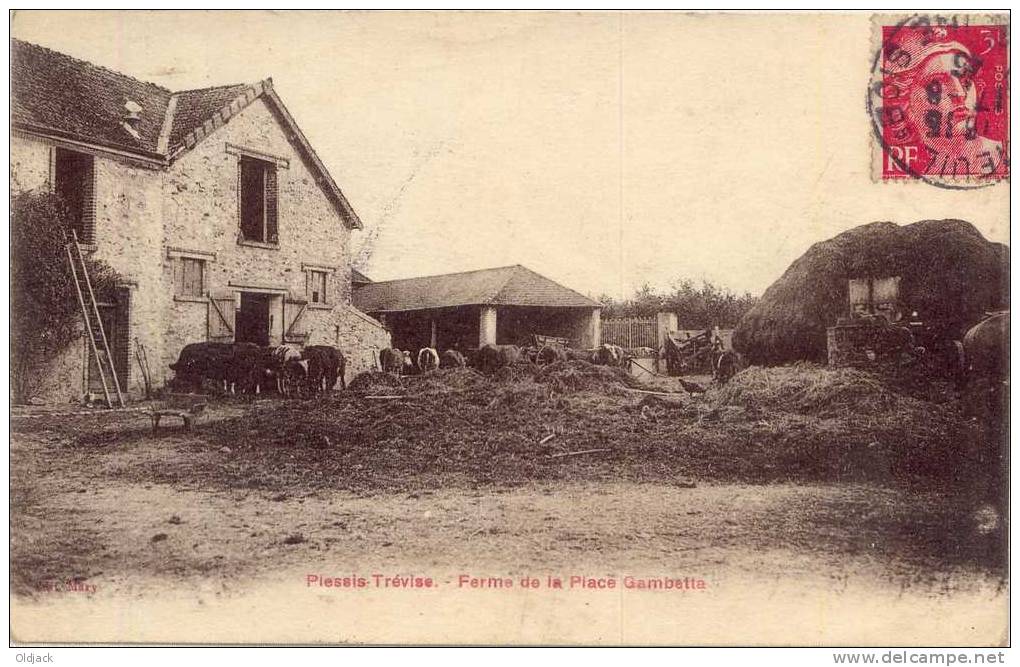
[(950, 274)]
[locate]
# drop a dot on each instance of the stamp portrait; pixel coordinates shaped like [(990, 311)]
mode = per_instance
[(940, 101)]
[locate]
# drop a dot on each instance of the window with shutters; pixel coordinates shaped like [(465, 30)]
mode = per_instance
[(192, 282), (258, 194), (317, 281)]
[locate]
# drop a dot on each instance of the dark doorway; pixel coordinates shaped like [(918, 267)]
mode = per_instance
[(252, 319), (72, 176), (114, 316)]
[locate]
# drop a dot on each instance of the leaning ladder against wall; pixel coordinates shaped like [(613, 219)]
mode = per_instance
[(93, 322)]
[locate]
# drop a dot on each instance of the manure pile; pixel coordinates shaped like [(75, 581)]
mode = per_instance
[(576, 422)]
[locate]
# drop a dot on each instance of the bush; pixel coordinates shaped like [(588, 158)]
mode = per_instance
[(45, 314)]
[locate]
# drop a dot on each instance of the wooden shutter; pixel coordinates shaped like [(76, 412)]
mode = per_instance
[(191, 276), (295, 328), (221, 317), (272, 188)]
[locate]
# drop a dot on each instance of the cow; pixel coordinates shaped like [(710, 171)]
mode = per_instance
[(391, 360), (326, 364), (233, 366), (248, 368), (452, 359), (293, 376), (550, 354), (610, 355), (408, 366), (428, 359), (486, 359), (200, 361), (984, 383), (491, 358), (286, 369), (984, 352)]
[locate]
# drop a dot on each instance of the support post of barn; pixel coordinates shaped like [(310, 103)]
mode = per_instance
[(594, 333), (433, 340), (487, 326)]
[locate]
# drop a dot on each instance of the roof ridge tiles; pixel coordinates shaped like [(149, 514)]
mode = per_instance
[(451, 273), (92, 64)]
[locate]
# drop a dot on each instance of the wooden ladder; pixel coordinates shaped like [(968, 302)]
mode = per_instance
[(93, 322)]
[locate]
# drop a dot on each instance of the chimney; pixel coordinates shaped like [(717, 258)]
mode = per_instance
[(132, 117)]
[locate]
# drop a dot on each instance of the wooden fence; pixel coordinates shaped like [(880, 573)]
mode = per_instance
[(630, 332)]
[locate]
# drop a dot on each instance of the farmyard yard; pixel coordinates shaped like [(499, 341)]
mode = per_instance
[(771, 478)]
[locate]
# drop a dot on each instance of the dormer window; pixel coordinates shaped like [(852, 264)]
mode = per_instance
[(258, 193)]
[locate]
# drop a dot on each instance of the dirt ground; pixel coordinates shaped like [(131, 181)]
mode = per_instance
[(105, 508)]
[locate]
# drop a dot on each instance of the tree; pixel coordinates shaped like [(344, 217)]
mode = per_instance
[(45, 314), (696, 307)]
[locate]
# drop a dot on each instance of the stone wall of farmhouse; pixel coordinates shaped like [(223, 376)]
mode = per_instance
[(201, 215), (146, 217), (30, 164), (128, 236), (60, 379), (357, 335)]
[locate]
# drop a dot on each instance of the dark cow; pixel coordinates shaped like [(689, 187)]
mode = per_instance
[(983, 372), (491, 358), (428, 359), (550, 354), (452, 359), (201, 361), (509, 355), (391, 360), (486, 359), (247, 368), (326, 365), (985, 350), (985, 397), (610, 355), (233, 366)]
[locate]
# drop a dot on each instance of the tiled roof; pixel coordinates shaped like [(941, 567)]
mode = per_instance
[(359, 277), (55, 95), (78, 99), (505, 286), (194, 107)]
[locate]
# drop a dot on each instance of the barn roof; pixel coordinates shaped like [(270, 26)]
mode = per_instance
[(504, 286), (56, 96), (359, 277)]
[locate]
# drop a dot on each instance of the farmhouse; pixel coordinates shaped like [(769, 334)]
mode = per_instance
[(211, 204), (505, 305)]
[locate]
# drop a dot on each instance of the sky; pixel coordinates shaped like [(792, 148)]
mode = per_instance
[(603, 150)]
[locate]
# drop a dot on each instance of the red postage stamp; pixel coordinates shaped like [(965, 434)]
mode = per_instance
[(939, 102)]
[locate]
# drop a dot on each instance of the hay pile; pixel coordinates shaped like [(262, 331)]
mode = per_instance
[(375, 382), (570, 376), (810, 389), (950, 274), (516, 373), (445, 380)]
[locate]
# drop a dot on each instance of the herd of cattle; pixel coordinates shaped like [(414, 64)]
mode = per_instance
[(490, 358), (248, 368)]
